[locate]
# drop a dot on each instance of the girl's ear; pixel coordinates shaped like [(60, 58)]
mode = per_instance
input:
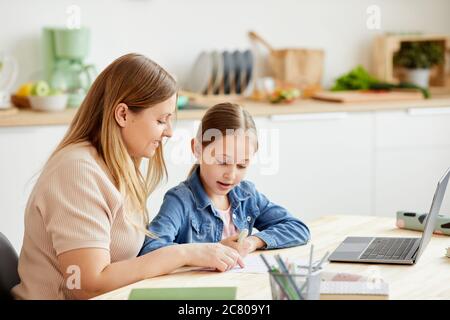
[(121, 114), (195, 147)]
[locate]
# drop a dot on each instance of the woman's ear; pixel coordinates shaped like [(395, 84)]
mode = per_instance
[(195, 147), (121, 114)]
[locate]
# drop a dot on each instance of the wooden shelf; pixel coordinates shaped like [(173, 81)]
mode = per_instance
[(27, 117), (385, 47)]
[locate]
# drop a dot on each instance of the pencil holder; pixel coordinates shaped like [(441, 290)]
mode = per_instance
[(416, 221), (290, 286)]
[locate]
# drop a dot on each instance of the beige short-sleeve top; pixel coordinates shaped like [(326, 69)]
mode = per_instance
[(73, 205)]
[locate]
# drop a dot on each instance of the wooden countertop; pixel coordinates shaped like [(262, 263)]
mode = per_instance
[(426, 279), (261, 109)]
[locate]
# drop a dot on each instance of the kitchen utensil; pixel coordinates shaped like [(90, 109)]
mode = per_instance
[(248, 58), (212, 80), (49, 103), (64, 52), (73, 78), (238, 70), (218, 58), (228, 73), (8, 74), (294, 66), (217, 71), (201, 73)]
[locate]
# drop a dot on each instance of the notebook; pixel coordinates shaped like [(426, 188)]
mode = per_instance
[(198, 293), (353, 290), (344, 285)]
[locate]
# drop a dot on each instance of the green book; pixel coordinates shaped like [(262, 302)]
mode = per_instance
[(199, 293)]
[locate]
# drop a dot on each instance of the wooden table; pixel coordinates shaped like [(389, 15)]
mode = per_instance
[(427, 279)]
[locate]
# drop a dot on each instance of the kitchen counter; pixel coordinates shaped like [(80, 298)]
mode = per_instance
[(261, 109)]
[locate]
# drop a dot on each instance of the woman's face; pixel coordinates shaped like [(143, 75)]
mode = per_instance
[(144, 131)]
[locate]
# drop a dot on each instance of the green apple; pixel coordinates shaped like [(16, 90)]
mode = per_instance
[(41, 88), (55, 92)]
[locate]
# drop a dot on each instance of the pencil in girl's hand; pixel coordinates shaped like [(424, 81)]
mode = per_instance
[(242, 235)]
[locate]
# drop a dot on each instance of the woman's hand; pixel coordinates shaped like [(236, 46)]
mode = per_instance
[(247, 245), (212, 255), (88, 272)]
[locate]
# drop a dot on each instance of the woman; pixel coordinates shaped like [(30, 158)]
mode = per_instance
[(86, 216)]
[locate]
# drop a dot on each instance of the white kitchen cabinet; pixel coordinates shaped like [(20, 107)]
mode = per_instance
[(24, 151), (412, 128), (412, 151), (325, 164)]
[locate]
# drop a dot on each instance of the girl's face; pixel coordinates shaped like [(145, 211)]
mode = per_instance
[(224, 162), (144, 131)]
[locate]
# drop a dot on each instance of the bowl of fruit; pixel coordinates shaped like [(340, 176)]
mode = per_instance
[(40, 96), (284, 95)]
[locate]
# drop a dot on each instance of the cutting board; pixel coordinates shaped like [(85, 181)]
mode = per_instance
[(368, 96)]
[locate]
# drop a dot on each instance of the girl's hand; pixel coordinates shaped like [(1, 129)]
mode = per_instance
[(212, 255), (248, 245)]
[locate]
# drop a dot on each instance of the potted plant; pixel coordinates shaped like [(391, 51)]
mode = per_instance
[(417, 58)]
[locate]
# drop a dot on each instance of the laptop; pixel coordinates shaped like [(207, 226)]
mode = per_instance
[(392, 250)]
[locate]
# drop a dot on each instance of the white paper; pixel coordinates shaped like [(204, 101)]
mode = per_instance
[(254, 264)]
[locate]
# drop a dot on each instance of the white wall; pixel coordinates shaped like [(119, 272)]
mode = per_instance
[(173, 32)]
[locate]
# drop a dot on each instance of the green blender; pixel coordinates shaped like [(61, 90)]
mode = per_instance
[(64, 52)]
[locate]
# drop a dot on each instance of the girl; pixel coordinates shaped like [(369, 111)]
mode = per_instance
[(86, 216), (214, 204)]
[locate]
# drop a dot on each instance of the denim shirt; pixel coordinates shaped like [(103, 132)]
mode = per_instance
[(187, 215)]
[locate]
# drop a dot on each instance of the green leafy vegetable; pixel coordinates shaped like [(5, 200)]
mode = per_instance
[(356, 79), (360, 79)]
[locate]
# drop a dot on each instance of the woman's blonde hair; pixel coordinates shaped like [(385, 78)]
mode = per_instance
[(224, 117), (140, 83)]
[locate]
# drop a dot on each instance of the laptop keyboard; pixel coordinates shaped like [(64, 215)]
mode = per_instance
[(388, 249)]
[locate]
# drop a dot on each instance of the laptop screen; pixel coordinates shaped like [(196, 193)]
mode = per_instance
[(430, 222)]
